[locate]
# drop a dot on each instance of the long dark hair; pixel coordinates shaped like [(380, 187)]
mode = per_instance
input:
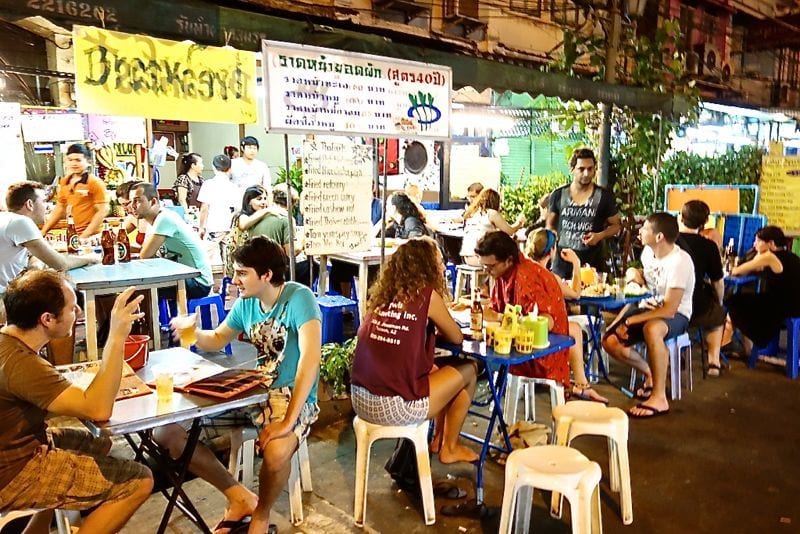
[(187, 160), (406, 207), (254, 191)]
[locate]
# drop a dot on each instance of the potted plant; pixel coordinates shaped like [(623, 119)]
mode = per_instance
[(335, 367)]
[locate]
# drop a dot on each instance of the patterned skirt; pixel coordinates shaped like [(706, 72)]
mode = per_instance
[(386, 410)]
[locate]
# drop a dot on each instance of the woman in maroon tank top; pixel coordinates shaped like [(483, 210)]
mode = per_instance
[(394, 378)]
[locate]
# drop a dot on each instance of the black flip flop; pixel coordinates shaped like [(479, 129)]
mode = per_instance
[(469, 509), (234, 525), (653, 412), (448, 490), (646, 391), (714, 367)]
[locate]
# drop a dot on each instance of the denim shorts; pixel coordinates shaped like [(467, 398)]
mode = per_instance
[(675, 326)]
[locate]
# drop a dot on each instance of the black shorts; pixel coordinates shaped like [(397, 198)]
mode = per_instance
[(675, 327), (709, 316)]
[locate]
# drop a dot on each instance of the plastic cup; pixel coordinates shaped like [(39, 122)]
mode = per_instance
[(502, 341), (188, 337), (164, 387), (491, 330)]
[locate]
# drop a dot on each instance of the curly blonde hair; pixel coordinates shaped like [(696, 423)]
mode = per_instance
[(488, 199), (413, 267)]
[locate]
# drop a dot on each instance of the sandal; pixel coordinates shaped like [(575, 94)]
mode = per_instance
[(714, 370), (586, 392)]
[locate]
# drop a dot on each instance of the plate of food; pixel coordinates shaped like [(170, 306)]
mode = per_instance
[(598, 291), (632, 289)]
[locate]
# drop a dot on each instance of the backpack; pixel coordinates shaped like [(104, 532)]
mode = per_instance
[(235, 239)]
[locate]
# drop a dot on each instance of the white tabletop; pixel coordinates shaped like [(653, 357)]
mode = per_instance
[(145, 412), (133, 273)]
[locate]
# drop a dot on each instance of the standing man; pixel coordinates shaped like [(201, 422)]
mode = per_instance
[(709, 285), (583, 214), (83, 194), (669, 276), (283, 321), (247, 170), (61, 468), (169, 230), (219, 198)]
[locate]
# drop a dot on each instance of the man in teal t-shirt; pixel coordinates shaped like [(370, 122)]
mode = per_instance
[(169, 232), (283, 321)]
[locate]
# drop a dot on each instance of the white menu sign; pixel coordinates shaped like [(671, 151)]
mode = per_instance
[(105, 130), (12, 165), (337, 195), (313, 89)]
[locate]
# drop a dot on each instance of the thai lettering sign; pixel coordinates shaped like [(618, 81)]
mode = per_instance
[(780, 189), (312, 89), (123, 74), (337, 195)]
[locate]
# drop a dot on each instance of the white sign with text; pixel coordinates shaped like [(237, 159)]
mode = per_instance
[(337, 195), (313, 89), (12, 168)]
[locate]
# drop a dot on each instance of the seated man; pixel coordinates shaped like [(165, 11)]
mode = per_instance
[(180, 243), (282, 319), (709, 284), (520, 280), (61, 468), (669, 276)]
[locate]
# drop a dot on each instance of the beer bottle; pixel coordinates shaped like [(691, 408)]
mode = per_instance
[(476, 315), (73, 241), (123, 246), (730, 256), (107, 242)]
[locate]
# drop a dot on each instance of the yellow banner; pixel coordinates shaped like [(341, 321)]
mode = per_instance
[(123, 74)]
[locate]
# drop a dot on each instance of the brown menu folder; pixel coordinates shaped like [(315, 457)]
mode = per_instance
[(82, 374), (228, 383)]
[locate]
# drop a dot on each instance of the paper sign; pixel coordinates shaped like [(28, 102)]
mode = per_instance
[(43, 125), (12, 165), (313, 89), (780, 189), (105, 130), (337, 195), (123, 74)]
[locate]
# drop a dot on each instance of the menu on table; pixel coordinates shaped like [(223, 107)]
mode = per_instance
[(82, 374)]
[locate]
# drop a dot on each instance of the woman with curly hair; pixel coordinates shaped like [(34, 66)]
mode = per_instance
[(481, 217), (394, 379)]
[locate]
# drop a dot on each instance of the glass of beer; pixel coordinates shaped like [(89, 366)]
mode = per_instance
[(188, 336), (164, 387)]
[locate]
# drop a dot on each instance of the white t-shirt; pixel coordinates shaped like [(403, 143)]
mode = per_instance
[(223, 199), (15, 230), (245, 173), (673, 271)]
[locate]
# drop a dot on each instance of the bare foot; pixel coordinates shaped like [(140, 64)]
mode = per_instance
[(459, 453), (586, 392), (436, 442)]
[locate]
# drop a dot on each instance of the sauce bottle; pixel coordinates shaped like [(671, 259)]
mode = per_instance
[(476, 316), (107, 242), (123, 246), (73, 241)]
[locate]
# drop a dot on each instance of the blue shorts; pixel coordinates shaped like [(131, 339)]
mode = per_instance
[(675, 327)]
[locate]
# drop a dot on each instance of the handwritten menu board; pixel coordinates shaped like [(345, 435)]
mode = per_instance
[(780, 189), (42, 125), (337, 195)]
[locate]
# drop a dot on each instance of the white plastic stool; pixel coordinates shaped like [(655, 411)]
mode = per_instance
[(579, 418), (475, 274), (62, 521), (366, 435), (241, 462), (515, 383), (553, 468), (677, 346)]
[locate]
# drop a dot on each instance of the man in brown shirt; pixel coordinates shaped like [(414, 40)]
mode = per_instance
[(61, 468), (82, 193)]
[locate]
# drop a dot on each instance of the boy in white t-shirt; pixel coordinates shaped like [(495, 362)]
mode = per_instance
[(669, 276), (247, 170)]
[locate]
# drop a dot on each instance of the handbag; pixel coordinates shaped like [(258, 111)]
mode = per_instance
[(402, 465)]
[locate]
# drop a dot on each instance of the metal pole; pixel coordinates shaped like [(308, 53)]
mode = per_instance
[(289, 205), (612, 50), (658, 162)]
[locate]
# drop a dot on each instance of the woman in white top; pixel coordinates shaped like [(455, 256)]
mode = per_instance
[(483, 216)]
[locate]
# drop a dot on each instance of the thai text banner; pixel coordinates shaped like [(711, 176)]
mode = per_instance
[(313, 89), (123, 74), (780, 189)]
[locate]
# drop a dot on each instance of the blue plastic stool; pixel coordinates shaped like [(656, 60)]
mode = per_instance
[(792, 326), (332, 308), (205, 303), (450, 268)]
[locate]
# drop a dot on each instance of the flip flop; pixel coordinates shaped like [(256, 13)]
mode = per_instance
[(646, 391), (234, 525), (581, 395), (653, 412), (468, 509), (714, 370), (448, 490)]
